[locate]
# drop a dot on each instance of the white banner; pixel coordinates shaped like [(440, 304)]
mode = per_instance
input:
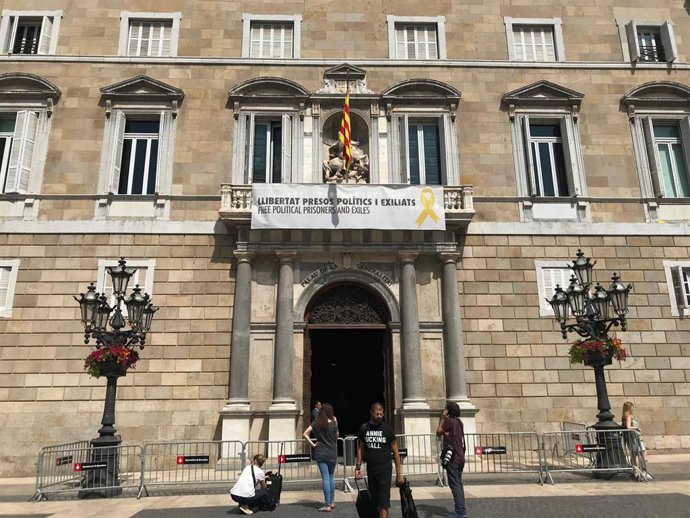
[(330, 206)]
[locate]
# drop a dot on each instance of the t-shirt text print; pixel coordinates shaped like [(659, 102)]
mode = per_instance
[(374, 439)]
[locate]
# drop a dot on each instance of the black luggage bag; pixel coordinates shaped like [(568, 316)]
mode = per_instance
[(364, 504), (409, 509), (274, 484)]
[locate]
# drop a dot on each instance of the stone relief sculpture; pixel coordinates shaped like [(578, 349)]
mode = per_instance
[(334, 170)]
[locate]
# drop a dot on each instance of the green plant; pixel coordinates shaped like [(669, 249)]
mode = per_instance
[(611, 347), (115, 352)]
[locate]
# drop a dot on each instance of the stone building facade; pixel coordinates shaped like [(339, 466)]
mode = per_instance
[(137, 132)]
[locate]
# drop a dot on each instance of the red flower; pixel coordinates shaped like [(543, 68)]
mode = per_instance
[(118, 353)]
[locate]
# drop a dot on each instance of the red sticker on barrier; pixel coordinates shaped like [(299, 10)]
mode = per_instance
[(579, 448), (478, 450), (77, 466), (180, 459), (281, 459)]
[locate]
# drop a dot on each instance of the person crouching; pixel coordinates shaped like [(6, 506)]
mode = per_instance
[(245, 491)]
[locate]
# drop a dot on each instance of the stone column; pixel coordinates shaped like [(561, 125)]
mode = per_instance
[(283, 412), (453, 354), (241, 320), (409, 320), (283, 350), (236, 414)]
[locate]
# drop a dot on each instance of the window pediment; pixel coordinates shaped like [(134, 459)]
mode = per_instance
[(345, 71), (657, 95), (142, 89), (268, 88), (421, 91), (15, 87), (543, 95)]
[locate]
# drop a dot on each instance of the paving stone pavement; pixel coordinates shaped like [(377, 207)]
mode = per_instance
[(572, 496)]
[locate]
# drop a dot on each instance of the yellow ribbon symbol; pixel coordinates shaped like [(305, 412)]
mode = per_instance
[(428, 198)]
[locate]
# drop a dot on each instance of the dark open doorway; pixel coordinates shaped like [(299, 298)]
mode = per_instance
[(348, 370)]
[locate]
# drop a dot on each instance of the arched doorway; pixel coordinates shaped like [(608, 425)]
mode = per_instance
[(347, 353)]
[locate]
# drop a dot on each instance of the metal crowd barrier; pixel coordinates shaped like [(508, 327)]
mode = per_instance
[(420, 455), (191, 462), (518, 452), (604, 453), (576, 433), (88, 471), (292, 457)]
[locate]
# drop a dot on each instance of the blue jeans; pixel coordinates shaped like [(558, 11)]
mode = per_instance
[(327, 470), (454, 472)]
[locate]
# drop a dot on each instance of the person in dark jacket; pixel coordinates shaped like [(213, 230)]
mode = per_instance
[(451, 429)]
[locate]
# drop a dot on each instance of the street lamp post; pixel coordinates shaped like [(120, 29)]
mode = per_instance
[(106, 325), (591, 310)]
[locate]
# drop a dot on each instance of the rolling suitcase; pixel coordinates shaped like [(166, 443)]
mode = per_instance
[(409, 509), (364, 505), (274, 485)]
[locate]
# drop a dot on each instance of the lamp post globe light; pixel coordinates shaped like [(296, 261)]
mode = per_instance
[(115, 352), (595, 311)]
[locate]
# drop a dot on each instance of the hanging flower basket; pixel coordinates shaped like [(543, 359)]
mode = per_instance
[(596, 352), (110, 360)]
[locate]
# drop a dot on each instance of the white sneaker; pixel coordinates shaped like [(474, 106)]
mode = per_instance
[(647, 476), (246, 510)]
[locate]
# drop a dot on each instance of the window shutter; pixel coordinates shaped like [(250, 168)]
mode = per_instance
[(12, 34), (529, 158), (164, 141), (166, 39), (679, 288), (4, 286), (570, 158), (134, 36), (247, 123), (552, 277), (116, 157), (669, 42), (46, 34), (403, 124), (251, 133), (286, 166), (653, 157), (21, 157), (685, 141), (444, 155), (633, 44), (400, 43)]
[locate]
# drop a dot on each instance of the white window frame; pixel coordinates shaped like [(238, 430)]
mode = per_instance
[(439, 21), (549, 273), (6, 304), (113, 139), (572, 152), (554, 23), (145, 266), (24, 171), (678, 283), (627, 32), (648, 159), (47, 43), (126, 17), (243, 144), (248, 19)]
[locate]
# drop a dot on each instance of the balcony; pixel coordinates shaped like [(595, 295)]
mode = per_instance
[(236, 205)]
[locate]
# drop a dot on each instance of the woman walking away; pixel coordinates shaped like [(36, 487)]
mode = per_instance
[(322, 434), (634, 441)]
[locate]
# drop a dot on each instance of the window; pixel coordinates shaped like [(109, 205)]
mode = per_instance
[(648, 42), (422, 138), (548, 160), (549, 275), (534, 39), (416, 37), (143, 276), (678, 283), (8, 279), (269, 131), (149, 34), (424, 148), (29, 32), (659, 115), (271, 36), (25, 117), (138, 147)]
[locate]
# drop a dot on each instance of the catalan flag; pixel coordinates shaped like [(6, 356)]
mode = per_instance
[(344, 133)]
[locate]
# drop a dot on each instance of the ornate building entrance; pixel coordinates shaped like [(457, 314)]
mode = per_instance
[(347, 354)]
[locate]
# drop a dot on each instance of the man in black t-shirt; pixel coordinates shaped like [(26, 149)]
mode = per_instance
[(376, 442)]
